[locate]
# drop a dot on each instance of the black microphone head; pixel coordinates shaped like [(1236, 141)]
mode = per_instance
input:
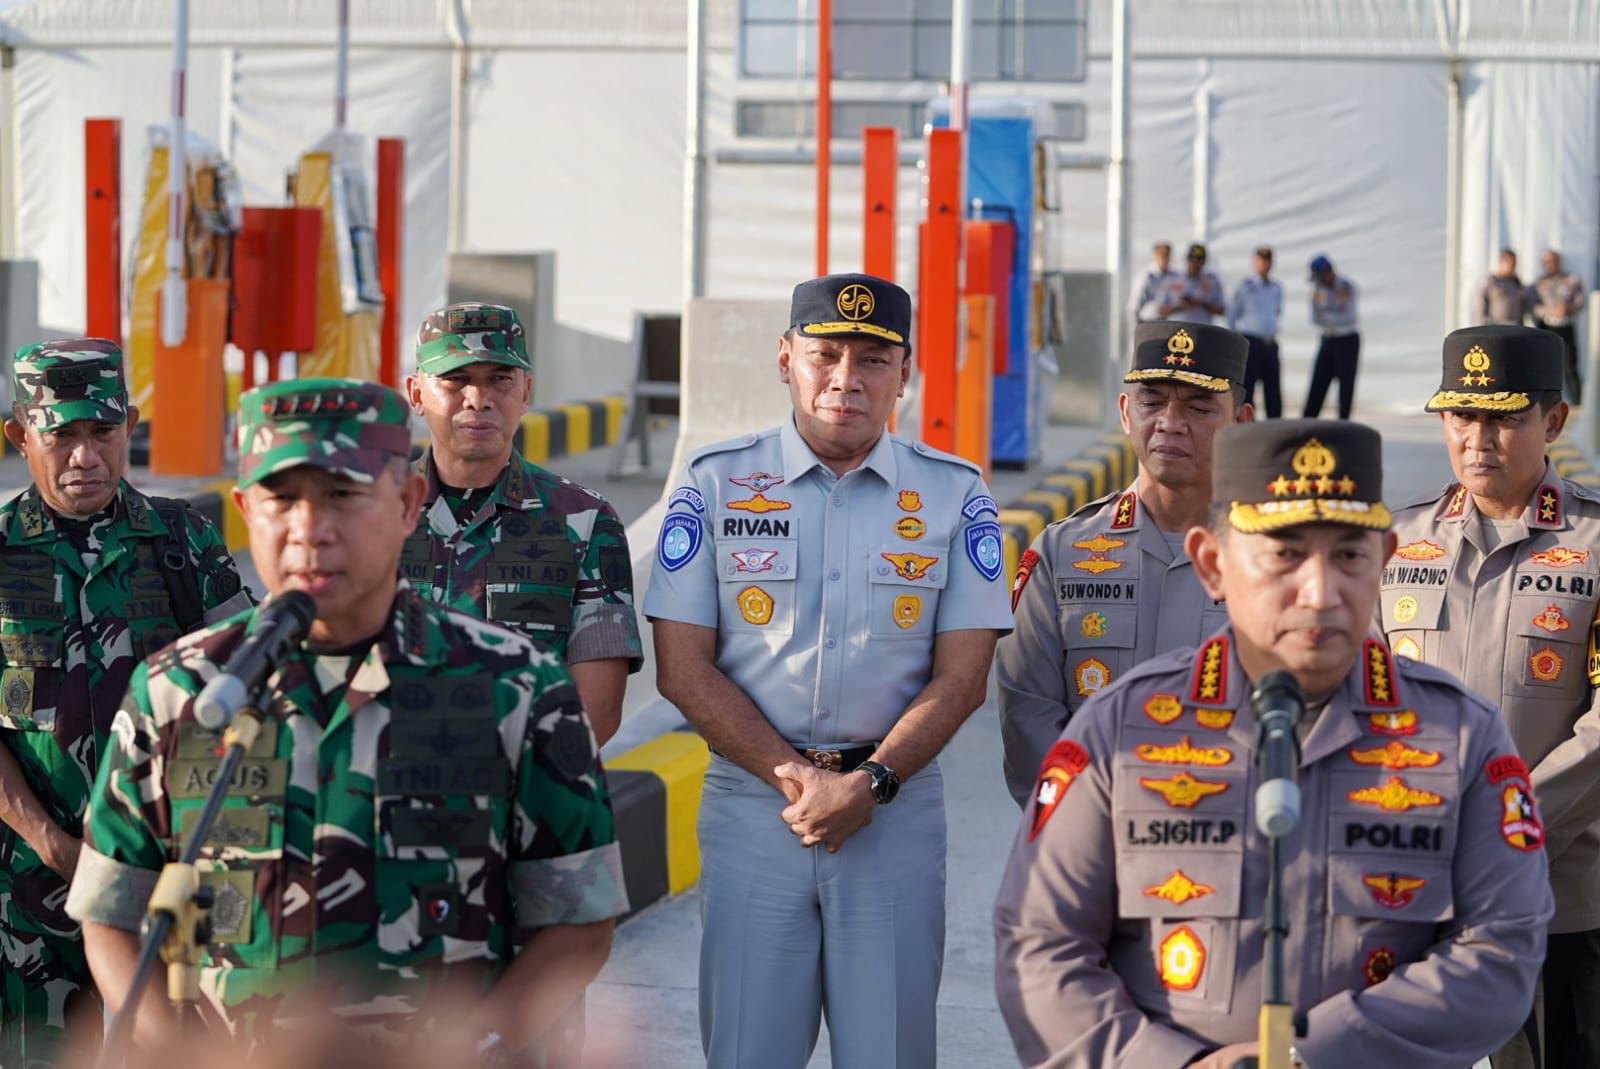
[(298, 604), (1278, 689)]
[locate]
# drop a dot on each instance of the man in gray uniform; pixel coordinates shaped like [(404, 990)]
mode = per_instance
[(1130, 919), (826, 598), (1497, 579), (1110, 586)]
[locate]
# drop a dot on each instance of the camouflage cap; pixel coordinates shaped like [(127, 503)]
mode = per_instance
[(345, 426), (68, 379), (469, 333)]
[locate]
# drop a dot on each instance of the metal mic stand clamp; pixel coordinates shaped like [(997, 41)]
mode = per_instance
[(177, 925)]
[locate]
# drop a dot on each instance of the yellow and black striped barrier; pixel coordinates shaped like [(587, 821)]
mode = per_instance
[(1097, 470), (655, 794), (1572, 463)]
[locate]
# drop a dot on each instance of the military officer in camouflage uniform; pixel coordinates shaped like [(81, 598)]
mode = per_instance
[(94, 576), (826, 598), (1110, 586), (502, 537), (1129, 925), (1497, 579), (425, 808)]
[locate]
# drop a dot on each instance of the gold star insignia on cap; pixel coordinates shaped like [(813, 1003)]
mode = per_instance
[(1280, 486), (1347, 486)]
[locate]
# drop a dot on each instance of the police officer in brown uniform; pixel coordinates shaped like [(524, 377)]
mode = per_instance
[(1497, 579), (1110, 586), (1129, 922)]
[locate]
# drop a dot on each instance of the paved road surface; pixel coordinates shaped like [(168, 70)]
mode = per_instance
[(643, 1010)]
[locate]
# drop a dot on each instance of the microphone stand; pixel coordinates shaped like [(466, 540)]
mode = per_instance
[(177, 925), (1275, 1025)]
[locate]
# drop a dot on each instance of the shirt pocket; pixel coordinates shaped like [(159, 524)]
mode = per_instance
[(1097, 646), (905, 582), (1386, 910), (1414, 621), (241, 858), (531, 583), (1546, 648), (442, 817), (1180, 868), (756, 589)]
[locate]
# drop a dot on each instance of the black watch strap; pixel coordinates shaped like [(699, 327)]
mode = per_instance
[(885, 783)]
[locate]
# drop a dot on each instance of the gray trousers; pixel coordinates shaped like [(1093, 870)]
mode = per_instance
[(792, 933)]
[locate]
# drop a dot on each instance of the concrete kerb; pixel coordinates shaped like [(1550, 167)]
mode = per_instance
[(1572, 463)]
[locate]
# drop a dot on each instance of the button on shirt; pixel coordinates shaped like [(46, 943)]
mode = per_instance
[(827, 591), (1333, 307), (1256, 308)]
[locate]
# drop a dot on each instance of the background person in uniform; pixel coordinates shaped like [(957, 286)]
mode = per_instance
[(1333, 313), (94, 577), (426, 779), (1501, 296), (826, 598), (502, 537), (1195, 295), (1110, 586), (1129, 930), (1556, 298), (1497, 579), (1255, 312), (1142, 297)]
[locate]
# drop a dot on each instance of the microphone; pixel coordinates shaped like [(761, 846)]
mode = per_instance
[(1277, 706), (281, 625)]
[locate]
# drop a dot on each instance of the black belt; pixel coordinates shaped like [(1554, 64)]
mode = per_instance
[(829, 759), (844, 759)]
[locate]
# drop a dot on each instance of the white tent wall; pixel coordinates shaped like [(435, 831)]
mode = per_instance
[(1530, 161), (582, 152)]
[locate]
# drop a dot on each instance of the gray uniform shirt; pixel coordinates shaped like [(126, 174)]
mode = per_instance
[(1517, 622), (1097, 593), (1129, 927), (827, 591)]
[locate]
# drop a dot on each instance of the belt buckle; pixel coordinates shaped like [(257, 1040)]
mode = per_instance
[(827, 760)]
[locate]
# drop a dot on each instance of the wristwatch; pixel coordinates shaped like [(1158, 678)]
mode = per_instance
[(885, 784), (1295, 1061)]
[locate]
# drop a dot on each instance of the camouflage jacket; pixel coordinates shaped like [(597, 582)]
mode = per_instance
[(542, 555), (406, 820), (71, 635)]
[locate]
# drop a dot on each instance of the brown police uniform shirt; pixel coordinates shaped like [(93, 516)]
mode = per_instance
[(1096, 594), (1129, 921), (1517, 624)]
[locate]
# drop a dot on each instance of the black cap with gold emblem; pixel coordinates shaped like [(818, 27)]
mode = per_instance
[(843, 305), (1194, 353), (1286, 472), (1496, 369)]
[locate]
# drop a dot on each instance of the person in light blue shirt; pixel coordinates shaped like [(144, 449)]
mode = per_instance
[(1255, 312), (1195, 295), (1142, 307), (825, 601), (1333, 313)]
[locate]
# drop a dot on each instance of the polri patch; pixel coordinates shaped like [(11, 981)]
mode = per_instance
[(1061, 766), (983, 549), (679, 541), (1163, 708), (1380, 963), (1182, 959), (1520, 826), (1030, 557), (1090, 676), (1391, 890)]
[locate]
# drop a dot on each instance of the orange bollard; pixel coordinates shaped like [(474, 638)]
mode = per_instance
[(102, 228), (191, 388), (938, 294), (974, 382)]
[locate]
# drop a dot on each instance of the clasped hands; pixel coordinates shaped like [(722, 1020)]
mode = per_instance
[(824, 807)]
